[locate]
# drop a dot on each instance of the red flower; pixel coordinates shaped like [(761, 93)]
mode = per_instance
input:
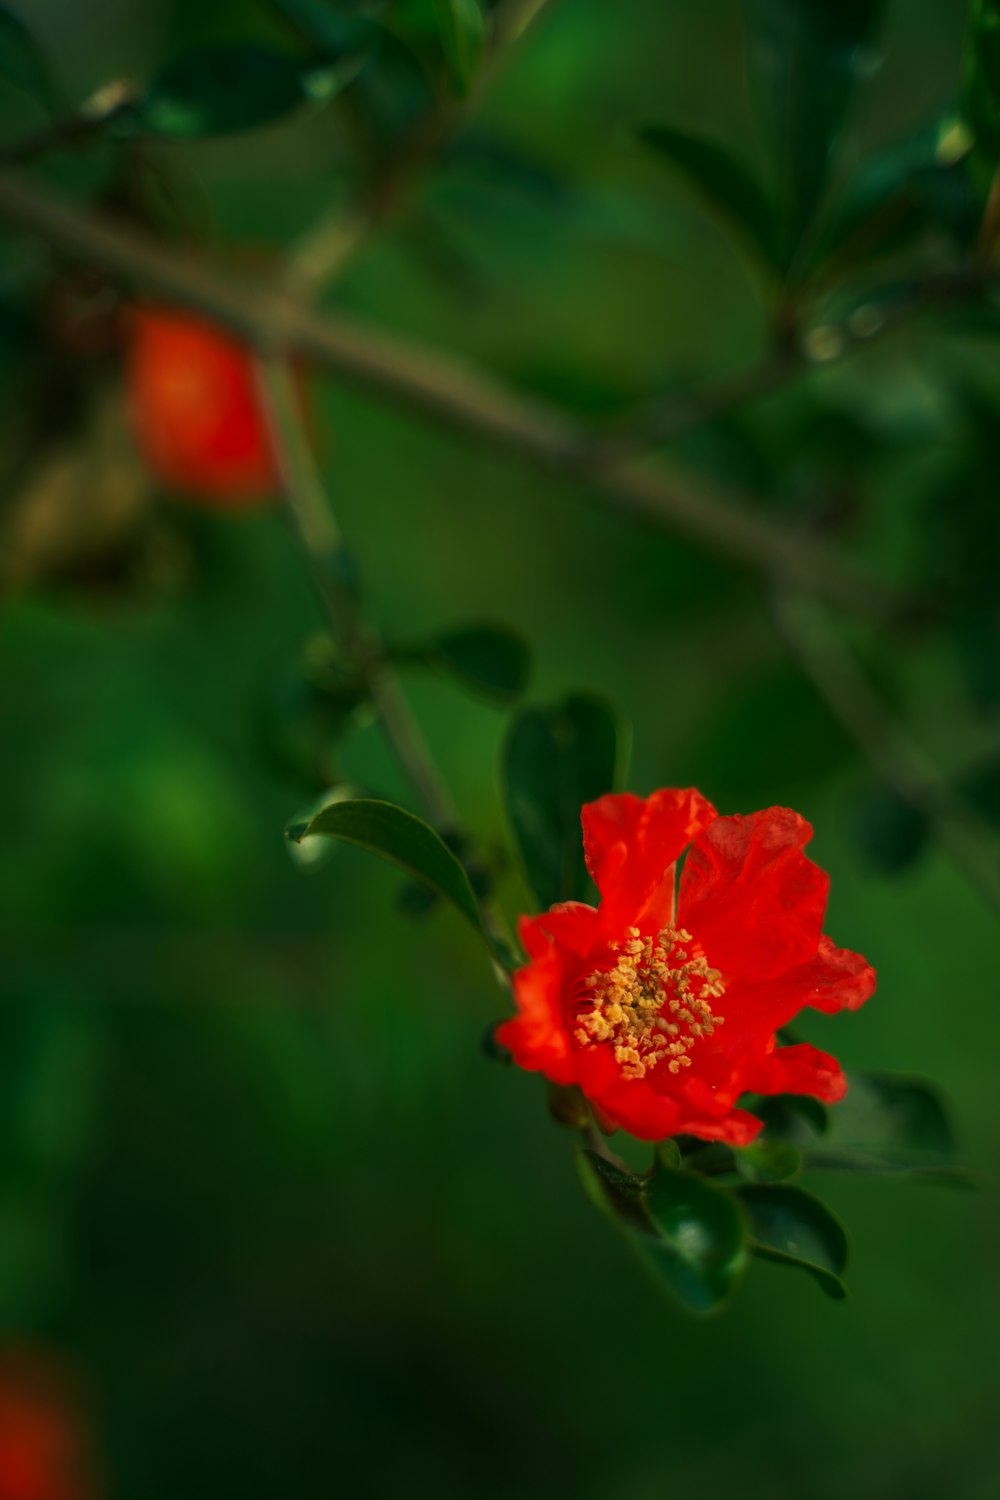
[(196, 410), (662, 1004)]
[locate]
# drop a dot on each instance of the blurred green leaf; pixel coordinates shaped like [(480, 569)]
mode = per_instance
[(227, 88), (768, 1161), (889, 1165), (554, 760), (401, 838), (699, 1251), (305, 716), (980, 785), (797, 1118), (22, 61), (462, 28), (668, 1153), (338, 34), (981, 97), (891, 1112), (795, 1228), (805, 60), (891, 832), (920, 184), (726, 184), (893, 1125), (490, 659)]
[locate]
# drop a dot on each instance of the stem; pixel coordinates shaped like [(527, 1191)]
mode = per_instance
[(323, 547), (899, 761), (330, 246), (990, 227), (322, 544), (457, 394), (73, 130)]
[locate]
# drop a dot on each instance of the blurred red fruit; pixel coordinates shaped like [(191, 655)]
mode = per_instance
[(196, 410), (42, 1443)]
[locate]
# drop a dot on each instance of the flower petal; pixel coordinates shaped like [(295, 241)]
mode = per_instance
[(751, 897), (801, 1069), (571, 923), (631, 1105), (737, 1127), (536, 1037), (835, 979), (631, 844)]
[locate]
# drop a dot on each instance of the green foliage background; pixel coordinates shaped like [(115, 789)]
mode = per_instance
[(259, 1180)]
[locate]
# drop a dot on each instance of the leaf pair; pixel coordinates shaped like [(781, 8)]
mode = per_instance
[(695, 1237), (804, 62)]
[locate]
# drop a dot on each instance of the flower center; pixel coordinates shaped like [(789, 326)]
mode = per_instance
[(653, 1004)]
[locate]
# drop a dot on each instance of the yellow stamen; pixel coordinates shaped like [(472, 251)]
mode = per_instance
[(653, 1004)]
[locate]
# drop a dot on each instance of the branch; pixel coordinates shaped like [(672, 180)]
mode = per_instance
[(340, 236), (321, 542), (661, 419), (328, 561), (899, 761), (448, 390)]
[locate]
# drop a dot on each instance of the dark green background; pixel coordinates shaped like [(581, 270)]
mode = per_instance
[(260, 1183)]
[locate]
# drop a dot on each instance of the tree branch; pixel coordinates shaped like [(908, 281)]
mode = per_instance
[(451, 391), (661, 419), (899, 761)]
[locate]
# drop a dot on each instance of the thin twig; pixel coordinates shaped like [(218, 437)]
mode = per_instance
[(309, 507), (899, 761), (323, 547), (456, 393), (326, 250), (662, 419), (71, 131)]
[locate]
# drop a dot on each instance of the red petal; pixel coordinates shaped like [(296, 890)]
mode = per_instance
[(736, 1127), (633, 1106), (631, 844), (751, 897), (536, 1036), (797, 1070), (836, 979), (570, 923)]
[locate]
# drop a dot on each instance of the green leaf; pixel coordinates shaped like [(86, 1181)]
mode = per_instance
[(405, 840), (462, 28), (554, 760), (489, 659), (616, 1193), (805, 57), (891, 833), (797, 1118), (304, 717), (980, 786), (688, 1234), (768, 1161), (921, 184), (325, 25), (227, 88), (699, 1250), (668, 1153), (726, 184), (889, 1113), (888, 1165), (22, 61), (981, 96), (795, 1228)]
